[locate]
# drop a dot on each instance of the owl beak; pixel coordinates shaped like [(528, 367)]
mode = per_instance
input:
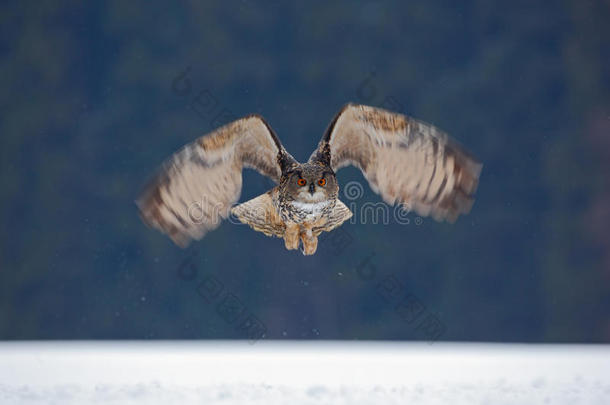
[(311, 188)]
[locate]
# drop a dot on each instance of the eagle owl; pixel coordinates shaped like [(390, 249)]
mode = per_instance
[(404, 160)]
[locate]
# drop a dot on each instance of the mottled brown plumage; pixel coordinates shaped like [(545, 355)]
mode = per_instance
[(404, 160)]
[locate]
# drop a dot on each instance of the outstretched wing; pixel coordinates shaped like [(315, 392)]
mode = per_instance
[(196, 187), (404, 160)]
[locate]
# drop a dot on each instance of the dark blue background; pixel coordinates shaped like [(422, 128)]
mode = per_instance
[(88, 113)]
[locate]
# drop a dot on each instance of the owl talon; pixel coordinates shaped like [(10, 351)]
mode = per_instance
[(309, 250), (310, 243)]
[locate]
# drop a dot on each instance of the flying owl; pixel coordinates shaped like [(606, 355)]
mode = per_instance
[(404, 160)]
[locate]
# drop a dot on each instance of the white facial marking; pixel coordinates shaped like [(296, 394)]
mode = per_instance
[(317, 196), (314, 208)]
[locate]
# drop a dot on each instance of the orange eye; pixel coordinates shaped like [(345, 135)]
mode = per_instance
[(301, 182), (322, 182)]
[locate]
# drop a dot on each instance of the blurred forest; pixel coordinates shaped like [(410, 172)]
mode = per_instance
[(96, 95)]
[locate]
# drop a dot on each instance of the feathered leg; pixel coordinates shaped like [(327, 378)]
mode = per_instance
[(291, 236), (310, 242)]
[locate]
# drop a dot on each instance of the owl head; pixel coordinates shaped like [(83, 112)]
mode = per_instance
[(309, 183)]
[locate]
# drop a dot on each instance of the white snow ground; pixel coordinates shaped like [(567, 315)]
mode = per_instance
[(268, 372)]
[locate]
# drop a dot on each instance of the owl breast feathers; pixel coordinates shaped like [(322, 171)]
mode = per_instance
[(404, 160)]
